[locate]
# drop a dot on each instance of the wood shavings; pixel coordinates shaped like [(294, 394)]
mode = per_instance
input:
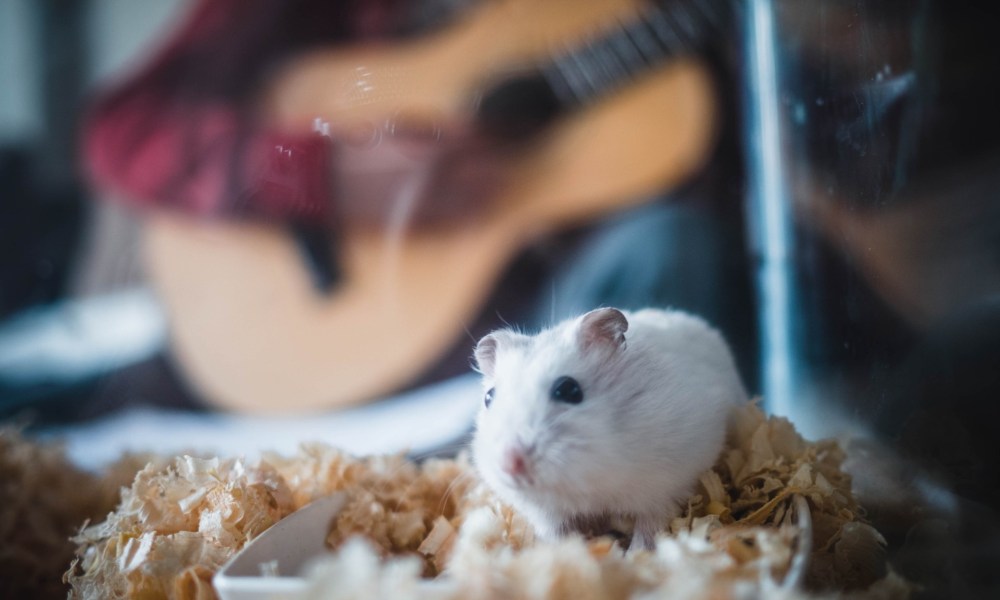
[(43, 501), (767, 464), (431, 531), (437, 546), (175, 527), (396, 504)]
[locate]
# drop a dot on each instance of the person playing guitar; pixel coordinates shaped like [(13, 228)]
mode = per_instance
[(359, 189)]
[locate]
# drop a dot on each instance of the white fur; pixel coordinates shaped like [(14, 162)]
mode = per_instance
[(653, 418)]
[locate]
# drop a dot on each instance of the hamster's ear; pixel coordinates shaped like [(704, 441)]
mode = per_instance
[(486, 354), (603, 328), (489, 346)]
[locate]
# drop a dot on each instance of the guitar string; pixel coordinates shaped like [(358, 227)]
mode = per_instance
[(664, 31), (639, 35), (579, 76), (614, 68), (627, 51), (685, 21)]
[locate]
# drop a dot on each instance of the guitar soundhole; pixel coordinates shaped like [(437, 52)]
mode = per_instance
[(518, 108)]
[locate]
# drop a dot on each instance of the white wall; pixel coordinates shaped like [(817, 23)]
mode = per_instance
[(119, 33), (19, 78), (123, 32)]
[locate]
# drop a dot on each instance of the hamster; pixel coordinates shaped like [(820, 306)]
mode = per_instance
[(603, 419)]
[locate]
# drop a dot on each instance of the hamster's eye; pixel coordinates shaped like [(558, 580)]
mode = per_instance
[(566, 389), (488, 398)]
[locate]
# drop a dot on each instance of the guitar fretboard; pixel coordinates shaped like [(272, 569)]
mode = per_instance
[(601, 65)]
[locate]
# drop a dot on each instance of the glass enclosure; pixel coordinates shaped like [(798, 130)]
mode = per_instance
[(873, 202), (209, 213)]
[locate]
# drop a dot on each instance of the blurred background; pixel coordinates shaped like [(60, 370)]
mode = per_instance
[(819, 180), (58, 244)]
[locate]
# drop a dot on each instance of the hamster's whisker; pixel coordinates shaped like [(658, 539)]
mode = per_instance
[(552, 304), (386, 481), (462, 478), (448, 450)]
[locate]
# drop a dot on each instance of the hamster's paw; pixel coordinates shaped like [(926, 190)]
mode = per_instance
[(645, 532)]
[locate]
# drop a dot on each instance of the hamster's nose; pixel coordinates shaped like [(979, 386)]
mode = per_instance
[(514, 462)]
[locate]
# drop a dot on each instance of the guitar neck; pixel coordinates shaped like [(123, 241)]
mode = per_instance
[(521, 106), (584, 74)]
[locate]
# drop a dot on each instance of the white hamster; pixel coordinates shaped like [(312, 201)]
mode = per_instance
[(605, 418)]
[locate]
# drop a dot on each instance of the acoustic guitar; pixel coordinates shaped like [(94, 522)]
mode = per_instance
[(637, 114)]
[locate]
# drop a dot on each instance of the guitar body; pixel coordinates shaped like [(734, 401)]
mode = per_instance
[(249, 329)]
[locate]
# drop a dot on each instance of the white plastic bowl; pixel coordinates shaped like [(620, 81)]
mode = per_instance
[(290, 543)]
